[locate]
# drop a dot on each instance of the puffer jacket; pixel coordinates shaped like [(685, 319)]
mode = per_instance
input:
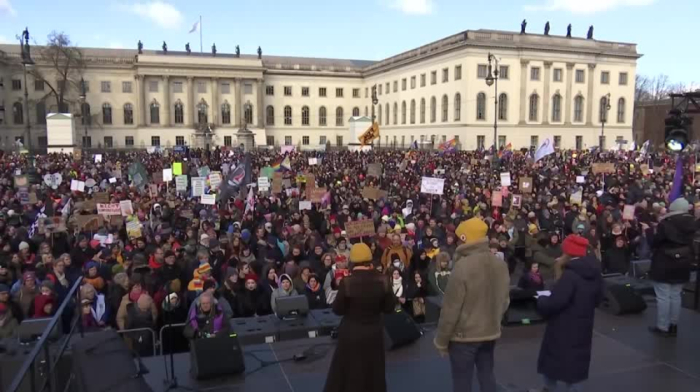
[(672, 248)]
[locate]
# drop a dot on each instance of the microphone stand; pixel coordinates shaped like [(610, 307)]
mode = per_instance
[(171, 384)]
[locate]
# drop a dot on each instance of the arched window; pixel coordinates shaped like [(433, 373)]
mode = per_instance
[(248, 113), (413, 111), (503, 106), (621, 110), (458, 107), (403, 112), (534, 104), (444, 108), (287, 115), (339, 116), (379, 114), (202, 113), (155, 112), (422, 110), (603, 111), (225, 113), (106, 114), (386, 113), (396, 113), (322, 121), (556, 108), (481, 106), (270, 115), (305, 115), (86, 117), (578, 109), (128, 114), (356, 112), (433, 109), (18, 113), (41, 112), (179, 112)]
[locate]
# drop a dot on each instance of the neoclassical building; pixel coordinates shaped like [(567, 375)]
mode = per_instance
[(549, 87)]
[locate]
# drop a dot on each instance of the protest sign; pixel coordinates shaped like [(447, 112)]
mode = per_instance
[(55, 224), (525, 184), (304, 205), (112, 180), (497, 199), (313, 161), (607, 168), (215, 180), (373, 193), (101, 197), (277, 183), (126, 207), (23, 194), (360, 228), (98, 158), (109, 209), (197, 186), (267, 171), (77, 186), (168, 174), (208, 199), (431, 185), (177, 168), (310, 181), (203, 171), (53, 180), (517, 201), (263, 184), (181, 183), (316, 194), (133, 229), (645, 169), (628, 212), (158, 178), (153, 190), (580, 179), (374, 170), (89, 222), (505, 179), (286, 149), (576, 198)]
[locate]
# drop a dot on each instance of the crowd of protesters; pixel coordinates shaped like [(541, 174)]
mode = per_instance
[(193, 261)]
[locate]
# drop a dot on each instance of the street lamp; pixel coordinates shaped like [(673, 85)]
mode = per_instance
[(492, 80), (83, 109), (603, 120), (27, 63), (375, 101)]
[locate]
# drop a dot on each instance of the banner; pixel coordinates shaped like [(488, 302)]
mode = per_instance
[(433, 186), (286, 149), (109, 209), (369, 135), (361, 228)]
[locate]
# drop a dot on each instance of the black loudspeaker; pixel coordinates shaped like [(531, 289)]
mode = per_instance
[(400, 330), (13, 354), (622, 299), (214, 357)]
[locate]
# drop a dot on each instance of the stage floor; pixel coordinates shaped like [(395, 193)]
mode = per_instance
[(626, 357)]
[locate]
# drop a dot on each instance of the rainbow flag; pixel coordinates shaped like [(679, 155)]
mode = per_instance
[(506, 151), (447, 146), (283, 163)]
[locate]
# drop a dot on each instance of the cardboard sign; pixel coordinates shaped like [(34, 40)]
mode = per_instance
[(361, 228), (607, 168), (645, 168), (316, 195), (374, 170), (54, 224), (209, 200), (517, 201), (628, 212), (431, 185), (89, 205), (304, 205), (310, 180), (157, 178), (181, 183), (153, 190), (215, 179), (109, 209), (497, 199), (373, 193), (505, 179), (101, 197), (89, 222), (277, 183), (576, 198), (525, 184), (580, 179), (77, 154), (126, 207)]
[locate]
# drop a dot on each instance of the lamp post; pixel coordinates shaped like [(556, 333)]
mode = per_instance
[(82, 98), (27, 63), (375, 101), (492, 80), (603, 120)]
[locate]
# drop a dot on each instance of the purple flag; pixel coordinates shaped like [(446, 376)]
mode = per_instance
[(677, 181)]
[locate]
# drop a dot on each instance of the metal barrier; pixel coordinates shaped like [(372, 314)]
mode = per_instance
[(160, 334), (153, 334)]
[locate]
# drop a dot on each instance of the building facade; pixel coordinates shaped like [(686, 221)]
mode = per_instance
[(549, 87)]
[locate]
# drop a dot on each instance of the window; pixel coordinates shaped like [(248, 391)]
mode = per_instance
[(202, 113), (622, 80), (248, 113), (433, 77), (304, 91), (413, 82), (556, 108), (433, 109), (155, 112), (126, 87), (403, 141), (403, 112), (356, 112), (396, 86), (155, 141), (387, 88), (445, 75), (179, 113), (128, 114), (444, 108), (305, 115), (107, 114), (16, 85), (322, 140), (356, 93), (380, 88), (394, 141), (339, 92), (106, 86), (152, 86), (458, 72), (270, 115), (580, 76), (128, 141), (18, 113), (535, 73), (366, 93), (557, 141), (534, 103), (322, 121), (225, 88), (338, 141), (87, 141), (321, 91), (413, 112), (386, 120), (534, 141), (379, 117), (620, 110), (227, 141), (225, 113), (578, 109), (287, 115), (270, 140), (422, 110), (177, 87), (305, 140), (422, 80), (202, 87), (396, 113), (339, 116), (503, 107), (503, 72), (481, 106), (287, 140), (287, 91), (603, 109), (501, 141), (404, 84), (248, 89), (85, 115), (87, 86), (38, 85), (557, 75), (605, 77), (41, 113), (482, 71), (270, 90), (579, 142), (108, 142)]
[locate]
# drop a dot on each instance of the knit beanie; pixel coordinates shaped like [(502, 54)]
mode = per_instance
[(23, 245), (360, 253), (204, 268), (575, 245), (48, 284), (472, 230), (679, 205)]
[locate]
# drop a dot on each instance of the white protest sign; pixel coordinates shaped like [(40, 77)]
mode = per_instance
[(98, 158), (505, 179), (126, 207), (263, 183), (313, 161), (168, 175), (109, 209), (304, 205), (112, 180), (431, 185), (208, 199), (197, 186), (53, 180), (181, 183), (580, 179)]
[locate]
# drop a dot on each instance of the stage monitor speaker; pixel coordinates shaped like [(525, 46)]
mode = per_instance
[(214, 357), (400, 330), (622, 299)]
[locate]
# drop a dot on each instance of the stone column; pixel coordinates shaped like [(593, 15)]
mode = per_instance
[(260, 110), (568, 101), (166, 100), (523, 89), (589, 99), (141, 105), (190, 101), (238, 105), (215, 101), (546, 98)]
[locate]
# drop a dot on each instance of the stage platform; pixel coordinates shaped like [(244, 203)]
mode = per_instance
[(626, 357)]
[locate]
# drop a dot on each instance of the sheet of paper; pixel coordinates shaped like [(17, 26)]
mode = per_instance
[(545, 293)]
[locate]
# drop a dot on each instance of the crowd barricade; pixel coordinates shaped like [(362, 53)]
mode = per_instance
[(125, 332)]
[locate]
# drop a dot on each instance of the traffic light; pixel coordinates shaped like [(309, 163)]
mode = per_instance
[(678, 130)]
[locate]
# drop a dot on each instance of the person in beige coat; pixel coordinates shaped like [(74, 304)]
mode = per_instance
[(477, 297), (131, 297)]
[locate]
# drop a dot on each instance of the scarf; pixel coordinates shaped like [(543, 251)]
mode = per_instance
[(535, 277), (397, 287), (61, 278)]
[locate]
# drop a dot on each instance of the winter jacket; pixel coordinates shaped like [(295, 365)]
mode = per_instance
[(672, 248), (280, 292)]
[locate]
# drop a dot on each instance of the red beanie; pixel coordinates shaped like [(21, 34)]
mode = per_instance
[(575, 245)]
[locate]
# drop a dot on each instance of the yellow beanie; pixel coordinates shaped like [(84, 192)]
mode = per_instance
[(360, 253), (471, 230)]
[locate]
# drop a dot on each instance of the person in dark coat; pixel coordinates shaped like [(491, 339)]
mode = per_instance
[(315, 293), (565, 354), (671, 263), (359, 359)]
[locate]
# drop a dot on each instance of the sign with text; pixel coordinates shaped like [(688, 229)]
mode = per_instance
[(628, 212), (177, 168), (304, 205), (316, 195), (360, 228), (517, 201), (215, 180), (374, 170), (197, 186), (580, 179), (497, 199), (89, 222), (127, 208), (181, 183), (525, 184), (505, 179), (109, 209), (606, 168), (431, 185), (209, 200), (277, 183)]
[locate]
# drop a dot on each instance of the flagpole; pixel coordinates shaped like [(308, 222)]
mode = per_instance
[(200, 34)]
